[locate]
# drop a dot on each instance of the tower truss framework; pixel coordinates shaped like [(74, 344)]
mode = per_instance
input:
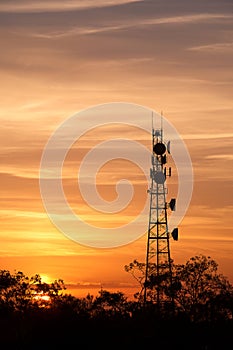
[(158, 258)]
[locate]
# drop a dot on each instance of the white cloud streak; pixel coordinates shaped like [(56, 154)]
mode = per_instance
[(215, 47), (188, 19), (221, 156), (207, 136), (58, 6)]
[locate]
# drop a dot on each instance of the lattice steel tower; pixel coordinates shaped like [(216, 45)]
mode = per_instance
[(158, 259)]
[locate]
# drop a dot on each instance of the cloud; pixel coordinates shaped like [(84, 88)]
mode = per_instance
[(132, 24), (215, 47), (206, 136), (22, 214), (109, 284), (58, 6), (97, 45), (220, 156)]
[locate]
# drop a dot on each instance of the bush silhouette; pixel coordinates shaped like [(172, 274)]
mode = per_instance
[(34, 314)]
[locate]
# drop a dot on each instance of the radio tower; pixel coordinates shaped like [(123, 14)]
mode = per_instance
[(158, 259)]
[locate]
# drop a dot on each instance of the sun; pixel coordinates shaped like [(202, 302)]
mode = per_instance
[(45, 278), (42, 297)]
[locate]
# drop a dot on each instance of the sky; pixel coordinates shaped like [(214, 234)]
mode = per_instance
[(59, 58)]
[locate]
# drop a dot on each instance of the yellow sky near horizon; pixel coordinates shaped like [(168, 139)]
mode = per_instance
[(58, 59)]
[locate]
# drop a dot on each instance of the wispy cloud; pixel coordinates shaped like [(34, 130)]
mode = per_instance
[(58, 6), (216, 47), (22, 214), (137, 23), (207, 136), (32, 105), (221, 156)]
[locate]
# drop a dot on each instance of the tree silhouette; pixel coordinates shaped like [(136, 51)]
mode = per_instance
[(203, 311), (198, 290), (19, 292), (109, 304)]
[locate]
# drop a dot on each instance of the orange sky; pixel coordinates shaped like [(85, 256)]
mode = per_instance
[(57, 59)]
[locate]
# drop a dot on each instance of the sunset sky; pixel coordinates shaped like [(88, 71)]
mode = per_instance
[(61, 57)]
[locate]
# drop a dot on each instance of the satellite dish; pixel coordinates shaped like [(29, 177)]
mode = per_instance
[(159, 177), (175, 234), (164, 159), (169, 147), (159, 148), (173, 204)]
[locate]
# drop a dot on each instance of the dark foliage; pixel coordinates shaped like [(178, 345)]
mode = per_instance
[(36, 315)]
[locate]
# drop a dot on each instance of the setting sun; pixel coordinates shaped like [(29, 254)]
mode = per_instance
[(42, 297)]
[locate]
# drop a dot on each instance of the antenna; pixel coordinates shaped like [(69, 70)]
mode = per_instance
[(152, 121), (158, 259), (161, 125), (152, 126)]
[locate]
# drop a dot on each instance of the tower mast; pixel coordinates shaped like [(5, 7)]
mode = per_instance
[(158, 259)]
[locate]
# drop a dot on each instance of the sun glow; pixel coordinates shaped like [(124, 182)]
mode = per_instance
[(45, 278), (42, 297)]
